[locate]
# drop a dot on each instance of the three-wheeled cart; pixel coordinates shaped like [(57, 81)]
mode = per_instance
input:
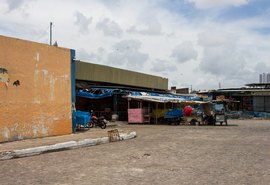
[(220, 113)]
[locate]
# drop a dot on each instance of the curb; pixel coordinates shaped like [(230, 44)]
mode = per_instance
[(60, 147)]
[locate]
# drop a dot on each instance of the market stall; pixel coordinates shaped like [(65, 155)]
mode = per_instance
[(154, 107)]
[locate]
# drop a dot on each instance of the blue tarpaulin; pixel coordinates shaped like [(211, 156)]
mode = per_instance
[(98, 93), (175, 113), (94, 96), (159, 96)]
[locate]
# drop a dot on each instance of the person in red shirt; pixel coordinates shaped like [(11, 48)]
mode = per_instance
[(188, 111)]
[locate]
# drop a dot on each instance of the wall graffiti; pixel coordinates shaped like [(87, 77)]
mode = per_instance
[(4, 78)]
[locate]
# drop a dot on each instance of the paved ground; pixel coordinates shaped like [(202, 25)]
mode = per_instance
[(236, 154), (79, 135)]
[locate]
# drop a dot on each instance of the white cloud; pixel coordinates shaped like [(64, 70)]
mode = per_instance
[(201, 50), (221, 56), (163, 66), (206, 4), (83, 22), (184, 52), (110, 28), (14, 4), (231, 57), (213, 39), (151, 27), (126, 53), (83, 55), (100, 56)]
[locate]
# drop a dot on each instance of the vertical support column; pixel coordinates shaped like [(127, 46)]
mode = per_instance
[(264, 104), (115, 103), (148, 108), (73, 89), (156, 111), (128, 103), (128, 109), (242, 103)]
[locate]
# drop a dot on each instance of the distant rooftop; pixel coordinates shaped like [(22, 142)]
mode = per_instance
[(259, 85)]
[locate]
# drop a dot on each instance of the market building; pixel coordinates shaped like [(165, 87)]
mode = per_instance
[(124, 95), (101, 88), (254, 99)]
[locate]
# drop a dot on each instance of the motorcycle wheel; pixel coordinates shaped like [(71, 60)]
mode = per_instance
[(91, 125), (103, 125)]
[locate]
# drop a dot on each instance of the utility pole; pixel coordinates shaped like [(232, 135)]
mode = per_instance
[(50, 33)]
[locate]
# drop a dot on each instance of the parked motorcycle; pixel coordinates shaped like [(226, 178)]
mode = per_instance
[(98, 122)]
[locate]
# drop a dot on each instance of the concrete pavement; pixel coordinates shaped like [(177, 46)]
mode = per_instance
[(82, 138)]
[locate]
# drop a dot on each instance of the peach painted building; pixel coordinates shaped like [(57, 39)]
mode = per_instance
[(36, 89)]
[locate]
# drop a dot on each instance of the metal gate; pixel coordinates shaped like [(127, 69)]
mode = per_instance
[(261, 103)]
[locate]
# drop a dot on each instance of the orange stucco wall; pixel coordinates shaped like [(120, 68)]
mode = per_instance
[(40, 104)]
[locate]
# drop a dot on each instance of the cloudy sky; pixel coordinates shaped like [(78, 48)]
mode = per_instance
[(191, 42)]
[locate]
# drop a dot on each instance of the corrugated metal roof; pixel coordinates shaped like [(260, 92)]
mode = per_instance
[(101, 73)]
